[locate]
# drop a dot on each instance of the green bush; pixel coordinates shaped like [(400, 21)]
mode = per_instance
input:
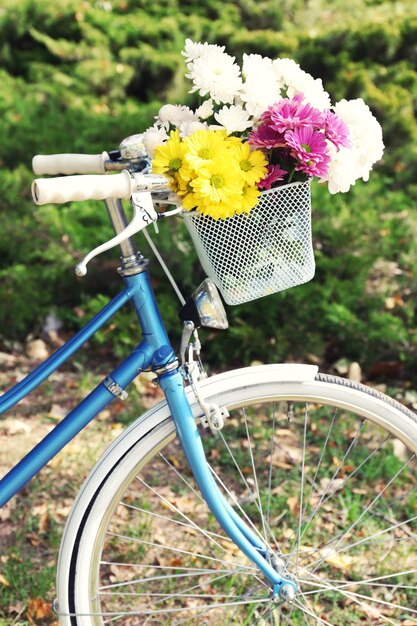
[(79, 76)]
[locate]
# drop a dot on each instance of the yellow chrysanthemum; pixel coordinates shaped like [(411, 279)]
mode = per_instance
[(217, 181), (222, 210), (232, 140), (183, 179), (182, 185), (204, 146), (189, 200), (249, 198), (252, 163), (170, 157)]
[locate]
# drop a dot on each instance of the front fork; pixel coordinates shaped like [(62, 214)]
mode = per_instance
[(235, 527)]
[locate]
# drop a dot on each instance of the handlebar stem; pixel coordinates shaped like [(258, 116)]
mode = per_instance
[(119, 222)]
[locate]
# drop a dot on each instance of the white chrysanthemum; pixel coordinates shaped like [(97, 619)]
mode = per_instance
[(216, 74), (255, 64), (285, 69), (205, 110), (175, 114), (365, 133), (343, 170), (261, 88), (234, 119), (313, 90), (258, 94), (193, 50), (154, 136), (295, 80), (189, 127)]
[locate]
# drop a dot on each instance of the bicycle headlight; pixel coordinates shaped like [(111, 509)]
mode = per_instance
[(205, 307)]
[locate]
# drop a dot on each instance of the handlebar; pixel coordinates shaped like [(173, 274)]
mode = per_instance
[(95, 187), (130, 155), (131, 183), (54, 164)]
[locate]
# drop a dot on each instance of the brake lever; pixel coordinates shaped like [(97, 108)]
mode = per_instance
[(143, 215)]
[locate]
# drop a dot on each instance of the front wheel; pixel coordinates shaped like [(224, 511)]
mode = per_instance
[(323, 469)]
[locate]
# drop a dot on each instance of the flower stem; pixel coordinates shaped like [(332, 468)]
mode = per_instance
[(291, 174)]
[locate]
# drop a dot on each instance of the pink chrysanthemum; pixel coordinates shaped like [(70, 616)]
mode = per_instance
[(309, 148), (336, 130), (265, 137), (291, 113), (274, 174)]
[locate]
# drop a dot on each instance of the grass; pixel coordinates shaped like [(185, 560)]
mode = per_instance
[(34, 520), (339, 509)]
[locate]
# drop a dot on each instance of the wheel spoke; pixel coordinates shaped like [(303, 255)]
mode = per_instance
[(195, 526), (366, 540), (178, 577), (182, 477), (327, 587), (164, 611), (235, 502), (321, 583), (191, 525), (336, 541), (271, 454), (300, 504), (307, 604), (360, 466), (179, 550), (339, 466), (327, 494), (323, 450), (255, 477), (250, 490), (312, 614)]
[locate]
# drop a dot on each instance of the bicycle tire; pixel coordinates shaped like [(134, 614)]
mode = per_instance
[(350, 585)]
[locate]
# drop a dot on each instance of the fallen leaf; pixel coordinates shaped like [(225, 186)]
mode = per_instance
[(400, 450), (44, 522), (14, 426), (330, 486), (33, 539), (7, 360), (277, 463), (174, 461), (57, 412), (17, 608), (38, 609), (340, 561), (293, 505), (160, 538), (37, 350)]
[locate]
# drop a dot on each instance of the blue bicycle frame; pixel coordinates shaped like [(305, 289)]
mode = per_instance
[(153, 352)]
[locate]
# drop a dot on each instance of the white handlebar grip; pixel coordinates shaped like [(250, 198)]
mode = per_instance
[(54, 164), (69, 188)]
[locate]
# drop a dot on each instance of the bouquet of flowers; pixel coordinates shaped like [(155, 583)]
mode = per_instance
[(258, 127)]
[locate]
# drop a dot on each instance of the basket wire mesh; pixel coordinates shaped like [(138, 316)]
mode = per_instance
[(249, 256)]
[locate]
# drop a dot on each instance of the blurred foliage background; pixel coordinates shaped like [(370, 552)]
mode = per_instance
[(79, 76)]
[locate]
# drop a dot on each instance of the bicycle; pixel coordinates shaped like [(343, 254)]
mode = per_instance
[(285, 502)]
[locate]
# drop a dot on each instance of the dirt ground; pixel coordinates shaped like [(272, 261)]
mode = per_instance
[(31, 523)]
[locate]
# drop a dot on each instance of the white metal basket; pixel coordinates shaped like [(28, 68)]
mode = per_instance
[(253, 255)]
